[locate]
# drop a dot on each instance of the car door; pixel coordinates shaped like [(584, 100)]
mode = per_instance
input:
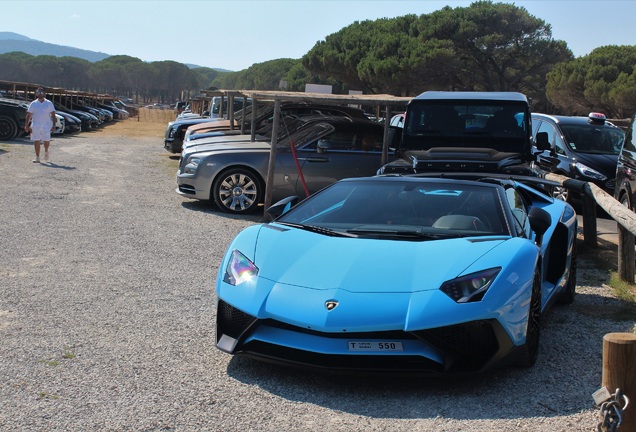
[(343, 153), (556, 159), (626, 169)]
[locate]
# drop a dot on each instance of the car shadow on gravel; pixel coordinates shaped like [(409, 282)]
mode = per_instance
[(18, 141), (567, 372), (211, 208), (560, 384)]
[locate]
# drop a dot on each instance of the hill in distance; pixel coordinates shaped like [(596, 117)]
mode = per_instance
[(10, 42)]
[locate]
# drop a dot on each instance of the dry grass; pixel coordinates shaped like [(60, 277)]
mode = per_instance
[(150, 123)]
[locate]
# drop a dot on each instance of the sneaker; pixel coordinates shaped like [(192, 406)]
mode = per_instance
[(36, 160), (46, 156)]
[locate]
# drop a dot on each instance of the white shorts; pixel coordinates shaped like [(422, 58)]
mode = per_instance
[(41, 133)]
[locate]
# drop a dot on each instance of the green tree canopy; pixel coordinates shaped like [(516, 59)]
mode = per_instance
[(12, 66), (486, 46), (604, 80), (262, 76)]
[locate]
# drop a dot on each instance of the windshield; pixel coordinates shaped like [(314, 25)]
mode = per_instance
[(501, 125), (420, 209), (593, 139), (238, 104), (295, 130)]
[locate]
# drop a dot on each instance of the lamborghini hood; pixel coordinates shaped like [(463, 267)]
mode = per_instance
[(364, 265)]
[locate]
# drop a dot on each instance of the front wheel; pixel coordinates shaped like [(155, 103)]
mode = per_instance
[(530, 350), (237, 190), (567, 297), (8, 128)]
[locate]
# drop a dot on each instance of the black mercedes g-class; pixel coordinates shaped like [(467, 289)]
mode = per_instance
[(467, 132)]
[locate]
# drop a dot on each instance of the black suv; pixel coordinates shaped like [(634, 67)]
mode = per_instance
[(625, 191), (583, 148), (466, 131)]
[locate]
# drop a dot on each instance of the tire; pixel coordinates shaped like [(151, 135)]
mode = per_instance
[(237, 190), (8, 128), (567, 297), (530, 350)]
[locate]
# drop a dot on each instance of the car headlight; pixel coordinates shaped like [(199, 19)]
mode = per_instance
[(589, 172), (239, 269), (192, 165), (172, 133), (471, 287)]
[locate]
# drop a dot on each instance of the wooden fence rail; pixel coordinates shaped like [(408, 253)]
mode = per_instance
[(624, 217)]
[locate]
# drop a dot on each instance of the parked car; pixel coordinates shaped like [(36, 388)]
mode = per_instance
[(117, 113), (264, 120), (176, 131), (72, 124), (59, 124), (232, 172), (625, 190), (583, 148), (398, 120), (466, 131), (158, 106), (12, 118), (88, 120), (439, 274), (222, 112)]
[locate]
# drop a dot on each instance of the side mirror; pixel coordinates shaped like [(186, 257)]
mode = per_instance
[(323, 146), (282, 206), (542, 142), (540, 221), (395, 137)]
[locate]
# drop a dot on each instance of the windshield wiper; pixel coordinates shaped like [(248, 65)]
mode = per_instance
[(318, 229), (401, 233)]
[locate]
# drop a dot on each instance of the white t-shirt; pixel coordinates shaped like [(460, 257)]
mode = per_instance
[(41, 113)]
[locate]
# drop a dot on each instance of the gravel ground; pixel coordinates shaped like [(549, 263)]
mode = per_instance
[(107, 319)]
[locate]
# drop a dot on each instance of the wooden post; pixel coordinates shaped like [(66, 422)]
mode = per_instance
[(272, 160), (619, 371), (590, 234), (626, 255)]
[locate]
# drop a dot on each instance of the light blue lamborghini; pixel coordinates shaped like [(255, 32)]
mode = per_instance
[(425, 274)]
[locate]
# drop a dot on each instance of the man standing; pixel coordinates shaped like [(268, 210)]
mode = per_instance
[(41, 116)]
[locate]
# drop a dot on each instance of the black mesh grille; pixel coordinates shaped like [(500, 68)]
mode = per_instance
[(231, 321), (469, 346)]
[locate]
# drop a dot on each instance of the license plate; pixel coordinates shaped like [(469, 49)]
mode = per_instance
[(375, 346)]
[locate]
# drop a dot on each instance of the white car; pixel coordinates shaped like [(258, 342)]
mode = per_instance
[(60, 124)]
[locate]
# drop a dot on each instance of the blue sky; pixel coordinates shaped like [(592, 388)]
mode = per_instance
[(238, 33)]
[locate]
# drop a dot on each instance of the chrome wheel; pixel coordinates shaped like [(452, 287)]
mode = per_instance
[(237, 191), (560, 192)]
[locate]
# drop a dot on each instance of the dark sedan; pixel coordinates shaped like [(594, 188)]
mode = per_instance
[(584, 148)]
